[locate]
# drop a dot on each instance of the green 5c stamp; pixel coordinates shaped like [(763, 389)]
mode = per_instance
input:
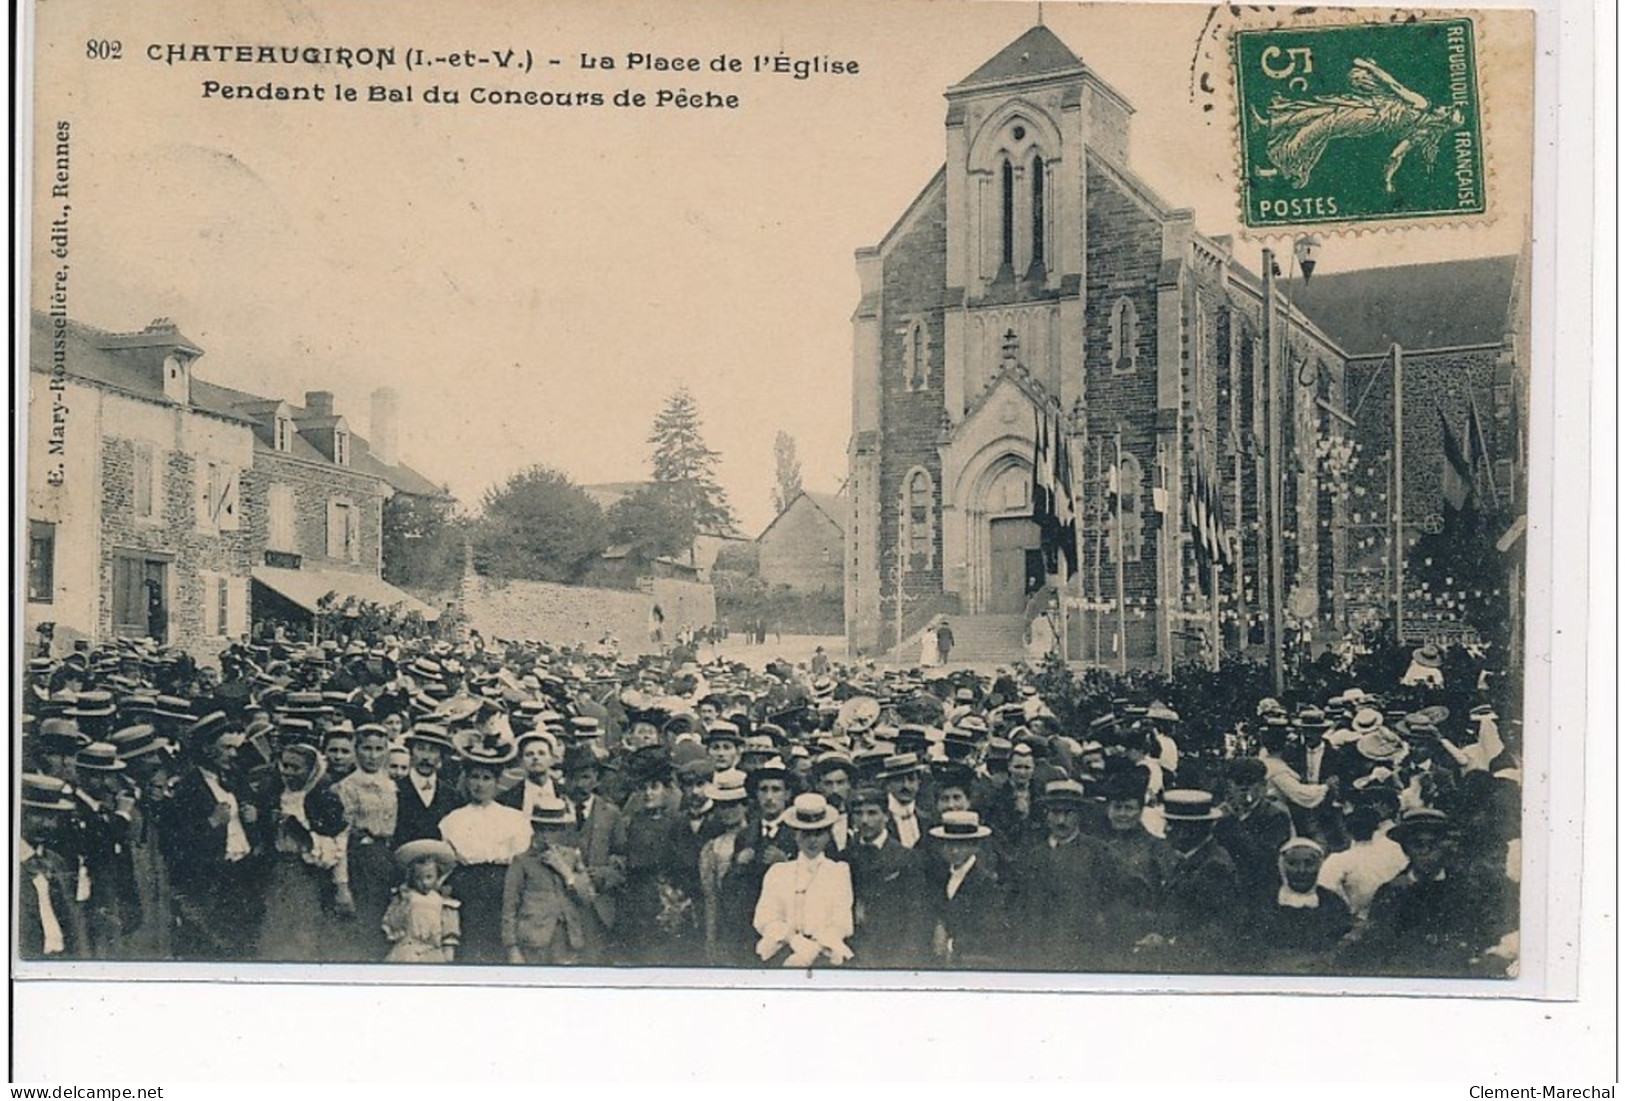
[(1372, 122)]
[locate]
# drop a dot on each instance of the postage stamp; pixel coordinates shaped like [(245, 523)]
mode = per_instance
[(1361, 122)]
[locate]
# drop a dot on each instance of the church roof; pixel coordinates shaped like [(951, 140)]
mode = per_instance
[(1038, 52), (1451, 304)]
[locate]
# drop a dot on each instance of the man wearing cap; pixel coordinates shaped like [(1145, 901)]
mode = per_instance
[(538, 753), (972, 923), (214, 831), (1436, 918), (50, 922), (1199, 911), (113, 910), (1062, 884), (425, 797), (889, 886), (548, 894), (598, 828), (901, 776), (1253, 828)]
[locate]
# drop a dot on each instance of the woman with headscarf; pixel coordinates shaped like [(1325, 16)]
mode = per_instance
[(307, 887), (1305, 922)]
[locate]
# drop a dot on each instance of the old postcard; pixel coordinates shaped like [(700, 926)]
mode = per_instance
[(973, 494)]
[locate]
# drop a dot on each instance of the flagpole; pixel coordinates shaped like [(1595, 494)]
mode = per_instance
[(1273, 428), (1117, 539), (1100, 545), (1397, 494), (1064, 438), (1484, 450)]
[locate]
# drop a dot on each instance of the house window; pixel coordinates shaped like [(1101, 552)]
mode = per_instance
[(341, 448), (222, 605), (280, 505), (343, 537), (282, 434), (1129, 495), (218, 490), (41, 561), (918, 527), (1125, 336), (1038, 212), (1007, 200), (148, 493)]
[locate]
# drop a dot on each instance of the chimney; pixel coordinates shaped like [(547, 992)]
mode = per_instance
[(319, 402), (385, 440)]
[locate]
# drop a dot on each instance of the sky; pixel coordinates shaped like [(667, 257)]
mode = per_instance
[(536, 280)]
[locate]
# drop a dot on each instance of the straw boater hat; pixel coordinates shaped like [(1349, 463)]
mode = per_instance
[(1426, 656), (551, 812), (899, 765), (960, 825), (728, 786), (1189, 805), (1366, 720), (1065, 795), (1381, 745), (430, 734), (810, 812), (98, 757), (427, 848), (42, 792)]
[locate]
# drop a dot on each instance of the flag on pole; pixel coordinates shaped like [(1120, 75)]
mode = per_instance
[(1204, 512), (1479, 463), (1455, 474)]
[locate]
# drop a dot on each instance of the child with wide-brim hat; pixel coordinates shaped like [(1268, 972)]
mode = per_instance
[(423, 922)]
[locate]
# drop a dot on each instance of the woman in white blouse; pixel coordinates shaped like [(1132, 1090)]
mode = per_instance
[(486, 837), (804, 915)]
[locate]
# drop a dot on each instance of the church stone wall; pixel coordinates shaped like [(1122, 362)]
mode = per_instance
[(915, 272), (1124, 258)]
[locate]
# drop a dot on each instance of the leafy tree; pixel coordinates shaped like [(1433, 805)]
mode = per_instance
[(540, 526), (423, 545), (1460, 571), (651, 521), (786, 471), (685, 469)]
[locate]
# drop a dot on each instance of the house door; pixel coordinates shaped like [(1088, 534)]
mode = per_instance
[(141, 598), (1017, 566)]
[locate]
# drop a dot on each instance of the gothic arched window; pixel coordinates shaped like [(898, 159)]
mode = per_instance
[(1007, 199), (1038, 213), (919, 528), (1125, 336)]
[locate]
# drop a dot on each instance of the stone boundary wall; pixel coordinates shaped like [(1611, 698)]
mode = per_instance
[(566, 614)]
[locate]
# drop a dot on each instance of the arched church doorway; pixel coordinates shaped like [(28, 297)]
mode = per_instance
[(1016, 568)]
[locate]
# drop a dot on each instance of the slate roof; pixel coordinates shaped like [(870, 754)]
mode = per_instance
[(832, 505), (1038, 52), (1450, 304), (90, 356)]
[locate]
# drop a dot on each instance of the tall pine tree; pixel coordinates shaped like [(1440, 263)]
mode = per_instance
[(685, 469), (786, 471)]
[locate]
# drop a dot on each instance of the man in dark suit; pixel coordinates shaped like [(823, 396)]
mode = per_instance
[(597, 828), (1064, 886), (972, 925), (911, 819), (1317, 762), (425, 796), (893, 923), (1253, 829), (538, 752), (215, 833), (49, 922)]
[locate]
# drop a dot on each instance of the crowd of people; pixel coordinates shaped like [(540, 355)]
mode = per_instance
[(415, 801)]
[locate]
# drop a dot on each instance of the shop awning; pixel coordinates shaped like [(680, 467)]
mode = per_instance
[(306, 587)]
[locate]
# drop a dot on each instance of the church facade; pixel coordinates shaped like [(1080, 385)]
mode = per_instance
[(1036, 276)]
